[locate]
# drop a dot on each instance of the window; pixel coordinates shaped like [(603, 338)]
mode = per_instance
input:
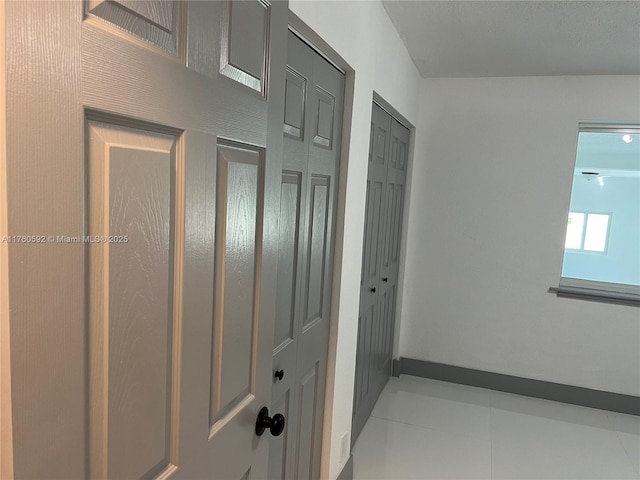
[(602, 242), (593, 238)]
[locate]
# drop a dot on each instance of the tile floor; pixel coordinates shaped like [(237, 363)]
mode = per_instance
[(426, 429)]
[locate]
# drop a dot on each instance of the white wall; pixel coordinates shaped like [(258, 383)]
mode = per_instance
[(361, 32), (491, 188)]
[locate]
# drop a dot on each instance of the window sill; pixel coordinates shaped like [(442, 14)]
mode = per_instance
[(595, 295)]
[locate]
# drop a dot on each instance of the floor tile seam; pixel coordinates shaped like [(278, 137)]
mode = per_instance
[(435, 429), (560, 403), (491, 430), (560, 455), (587, 427), (413, 396), (612, 429), (620, 440), (628, 469), (608, 439), (608, 421), (627, 453)]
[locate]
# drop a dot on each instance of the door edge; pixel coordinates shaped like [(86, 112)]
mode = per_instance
[(6, 433)]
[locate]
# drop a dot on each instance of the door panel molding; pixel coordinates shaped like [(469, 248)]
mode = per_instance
[(243, 58), (278, 447), (157, 24), (239, 212), (324, 118), (288, 258), (320, 195), (134, 279), (295, 103), (307, 396)]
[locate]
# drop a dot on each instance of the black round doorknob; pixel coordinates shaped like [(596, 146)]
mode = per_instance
[(275, 424), (373, 289), (385, 279), (279, 374)]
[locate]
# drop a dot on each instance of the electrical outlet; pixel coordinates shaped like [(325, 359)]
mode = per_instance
[(344, 447)]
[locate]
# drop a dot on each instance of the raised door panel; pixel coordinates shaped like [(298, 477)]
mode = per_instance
[(238, 254), (131, 205), (390, 325), (288, 259), (395, 225), (295, 104), (396, 177), (380, 361), (375, 191), (245, 43), (386, 233), (316, 250), (375, 347), (371, 141), (280, 447), (157, 22), (159, 12), (236, 390), (140, 314), (403, 150), (362, 389), (380, 142), (324, 118), (306, 434), (365, 323), (288, 283)]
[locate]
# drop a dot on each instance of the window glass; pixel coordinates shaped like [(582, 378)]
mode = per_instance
[(575, 228), (595, 236), (602, 243)]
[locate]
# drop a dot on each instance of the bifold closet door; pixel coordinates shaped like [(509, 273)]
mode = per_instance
[(312, 134), (388, 155)]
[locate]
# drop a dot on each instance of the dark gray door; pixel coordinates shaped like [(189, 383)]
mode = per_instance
[(312, 128), (388, 154)]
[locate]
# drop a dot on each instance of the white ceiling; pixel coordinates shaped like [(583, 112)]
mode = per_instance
[(479, 38)]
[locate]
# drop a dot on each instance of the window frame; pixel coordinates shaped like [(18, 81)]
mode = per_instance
[(617, 293)]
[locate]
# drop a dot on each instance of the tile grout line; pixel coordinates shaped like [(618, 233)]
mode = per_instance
[(436, 429), (491, 432), (619, 437)]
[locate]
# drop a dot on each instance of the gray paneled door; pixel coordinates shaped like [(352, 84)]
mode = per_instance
[(388, 156), (145, 164), (312, 134)]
